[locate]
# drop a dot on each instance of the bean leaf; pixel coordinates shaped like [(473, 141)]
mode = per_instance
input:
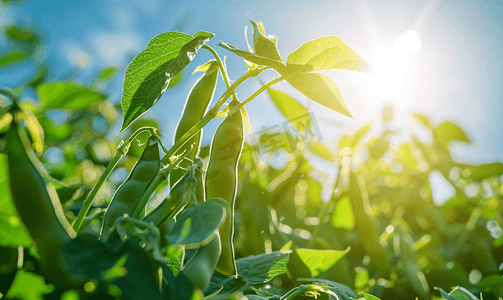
[(256, 269), (255, 58), (149, 74), (197, 225), (264, 46), (321, 89), (325, 53)]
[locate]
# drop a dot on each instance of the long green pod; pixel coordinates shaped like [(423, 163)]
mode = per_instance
[(363, 223), (173, 203), (201, 265), (197, 104), (221, 181), (131, 191), (40, 210)]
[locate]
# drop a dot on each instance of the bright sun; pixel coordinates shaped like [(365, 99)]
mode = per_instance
[(393, 65)]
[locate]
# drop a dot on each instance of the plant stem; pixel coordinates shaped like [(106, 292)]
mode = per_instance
[(210, 115), (89, 200), (221, 65), (122, 149), (257, 92)]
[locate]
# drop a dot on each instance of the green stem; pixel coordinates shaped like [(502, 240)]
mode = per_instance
[(89, 200), (257, 92), (158, 179), (210, 115), (122, 149), (225, 76)]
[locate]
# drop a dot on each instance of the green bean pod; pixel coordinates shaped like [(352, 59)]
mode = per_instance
[(131, 191), (363, 223), (221, 182), (197, 103), (201, 265), (173, 203), (40, 210)]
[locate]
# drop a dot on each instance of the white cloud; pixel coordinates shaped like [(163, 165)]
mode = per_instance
[(113, 47)]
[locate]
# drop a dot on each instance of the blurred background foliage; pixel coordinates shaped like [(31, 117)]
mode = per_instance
[(410, 244)]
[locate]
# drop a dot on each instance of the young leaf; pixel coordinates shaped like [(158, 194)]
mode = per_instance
[(149, 74), (255, 58), (290, 108), (67, 95), (257, 269), (321, 89), (264, 46), (325, 53)]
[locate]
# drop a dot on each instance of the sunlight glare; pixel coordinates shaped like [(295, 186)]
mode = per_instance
[(408, 44), (393, 66)]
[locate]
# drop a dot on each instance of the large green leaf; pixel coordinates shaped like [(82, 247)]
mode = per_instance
[(325, 53), (264, 46), (197, 225), (256, 269), (149, 74), (290, 108), (67, 95), (255, 58), (12, 231), (321, 89), (318, 261)]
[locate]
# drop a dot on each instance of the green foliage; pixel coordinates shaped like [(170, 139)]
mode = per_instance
[(377, 234), (148, 75)]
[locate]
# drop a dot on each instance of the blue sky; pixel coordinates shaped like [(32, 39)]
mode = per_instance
[(456, 75)]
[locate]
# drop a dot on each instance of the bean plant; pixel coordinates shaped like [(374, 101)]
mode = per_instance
[(201, 222)]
